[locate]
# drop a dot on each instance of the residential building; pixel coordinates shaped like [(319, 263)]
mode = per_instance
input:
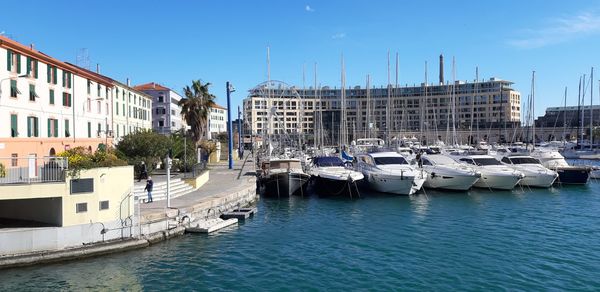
[(132, 110), (217, 120), (424, 111), (166, 112), (47, 106)]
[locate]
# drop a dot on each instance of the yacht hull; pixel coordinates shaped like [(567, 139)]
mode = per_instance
[(328, 187), (499, 182), (573, 175), (285, 184), (402, 185), (450, 182)]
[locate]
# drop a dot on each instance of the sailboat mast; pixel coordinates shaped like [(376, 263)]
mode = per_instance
[(368, 128), (579, 113), (389, 97), (423, 107), (565, 117), (533, 108), (396, 100), (591, 108)]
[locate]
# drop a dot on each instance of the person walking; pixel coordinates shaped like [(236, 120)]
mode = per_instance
[(419, 160), (149, 186), (143, 171)]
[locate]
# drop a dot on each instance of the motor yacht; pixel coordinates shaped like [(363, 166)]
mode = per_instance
[(390, 172), (536, 175), (494, 175), (567, 174), (283, 177), (445, 173), (331, 177)]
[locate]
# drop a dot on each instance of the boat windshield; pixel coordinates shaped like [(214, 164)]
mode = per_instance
[(390, 160), (328, 161), (524, 160), (441, 159), (486, 161)]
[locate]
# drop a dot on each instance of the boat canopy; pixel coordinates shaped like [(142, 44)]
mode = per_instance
[(328, 161)]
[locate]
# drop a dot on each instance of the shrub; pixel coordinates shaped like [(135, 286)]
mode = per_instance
[(2, 170)]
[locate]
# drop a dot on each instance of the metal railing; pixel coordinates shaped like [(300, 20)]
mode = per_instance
[(26, 170), (196, 170)]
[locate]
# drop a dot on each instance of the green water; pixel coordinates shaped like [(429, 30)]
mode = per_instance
[(481, 240)]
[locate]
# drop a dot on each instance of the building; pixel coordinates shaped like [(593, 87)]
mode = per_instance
[(423, 111), (132, 110), (166, 112), (47, 106), (217, 121)]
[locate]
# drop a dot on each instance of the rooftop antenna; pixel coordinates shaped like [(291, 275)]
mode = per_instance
[(83, 58)]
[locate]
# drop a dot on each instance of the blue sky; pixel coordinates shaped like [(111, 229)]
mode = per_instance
[(174, 42)]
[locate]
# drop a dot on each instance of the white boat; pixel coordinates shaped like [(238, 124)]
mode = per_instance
[(283, 177), (389, 172), (332, 178), (445, 173), (494, 175), (536, 175)]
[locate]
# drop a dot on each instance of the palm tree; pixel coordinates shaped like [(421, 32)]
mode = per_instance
[(195, 108)]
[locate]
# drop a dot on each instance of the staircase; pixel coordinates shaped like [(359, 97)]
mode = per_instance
[(159, 192)]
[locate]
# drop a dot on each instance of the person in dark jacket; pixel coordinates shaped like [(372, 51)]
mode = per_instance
[(149, 186), (143, 171)]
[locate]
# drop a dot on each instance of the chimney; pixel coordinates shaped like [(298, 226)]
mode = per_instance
[(31, 46), (153, 85), (128, 82), (441, 69), (98, 68)]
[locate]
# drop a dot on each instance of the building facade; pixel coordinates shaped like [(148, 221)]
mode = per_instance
[(48, 106), (217, 120), (418, 110), (166, 112)]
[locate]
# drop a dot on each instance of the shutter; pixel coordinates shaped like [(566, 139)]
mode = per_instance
[(70, 99), (28, 65), (13, 125), (8, 60), (36, 68), (54, 74), (49, 127), (49, 71), (51, 96), (36, 127), (67, 134), (28, 126), (18, 63), (55, 128)]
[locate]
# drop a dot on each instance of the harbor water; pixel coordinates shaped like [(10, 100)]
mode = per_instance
[(539, 239)]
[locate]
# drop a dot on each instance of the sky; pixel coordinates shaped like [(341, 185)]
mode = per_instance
[(175, 42)]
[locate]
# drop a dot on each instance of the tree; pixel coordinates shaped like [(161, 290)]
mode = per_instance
[(146, 146), (195, 108)]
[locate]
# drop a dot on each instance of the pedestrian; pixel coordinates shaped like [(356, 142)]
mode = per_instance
[(143, 171), (418, 158), (149, 186)]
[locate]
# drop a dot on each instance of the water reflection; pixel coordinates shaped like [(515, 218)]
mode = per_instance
[(420, 205)]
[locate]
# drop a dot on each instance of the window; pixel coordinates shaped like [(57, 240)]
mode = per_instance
[(32, 67), (14, 160), (67, 99), (99, 106), (161, 123), (173, 112), (51, 96), (98, 87), (32, 94), (52, 73), (66, 78), (14, 131), (89, 130), (172, 124), (99, 129), (32, 127), (103, 205), (13, 62), (89, 86), (117, 109), (81, 207), (67, 130), (52, 128), (161, 98), (123, 109), (13, 88)]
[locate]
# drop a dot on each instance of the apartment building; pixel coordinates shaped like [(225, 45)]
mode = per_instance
[(166, 112), (425, 109), (132, 110), (217, 120)]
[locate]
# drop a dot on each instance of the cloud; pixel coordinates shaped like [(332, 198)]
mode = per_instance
[(559, 30), (339, 35), (309, 9)]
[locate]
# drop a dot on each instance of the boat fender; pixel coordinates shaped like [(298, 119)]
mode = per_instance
[(433, 175)]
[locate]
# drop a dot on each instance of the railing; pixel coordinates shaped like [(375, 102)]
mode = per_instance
[(26, 170), (196, 170)]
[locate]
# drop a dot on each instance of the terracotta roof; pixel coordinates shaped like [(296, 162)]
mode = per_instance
[(219, 107), (150, 86), (31, 52)]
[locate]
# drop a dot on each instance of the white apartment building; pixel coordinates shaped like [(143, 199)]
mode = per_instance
[(48, 106), (166, 112), (217, 120)]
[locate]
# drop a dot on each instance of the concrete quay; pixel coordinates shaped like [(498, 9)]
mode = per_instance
[(226, 190)]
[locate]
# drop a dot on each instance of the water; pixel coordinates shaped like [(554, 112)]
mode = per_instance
[(481, 240)]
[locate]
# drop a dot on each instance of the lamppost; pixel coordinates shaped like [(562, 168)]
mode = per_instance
[(2, 80), (230, 89)]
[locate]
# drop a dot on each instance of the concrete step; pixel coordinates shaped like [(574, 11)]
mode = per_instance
[(140, 187), (179, 189), (161, 187)]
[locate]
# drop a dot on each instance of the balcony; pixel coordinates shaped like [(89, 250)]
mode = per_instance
[(30, 170)]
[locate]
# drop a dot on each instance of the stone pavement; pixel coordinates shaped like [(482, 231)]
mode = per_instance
[(221, 180)]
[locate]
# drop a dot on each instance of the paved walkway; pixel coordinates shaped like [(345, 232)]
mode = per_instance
[(220, 180)]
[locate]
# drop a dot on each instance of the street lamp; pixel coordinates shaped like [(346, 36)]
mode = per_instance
[(1, 80), (230, 89)]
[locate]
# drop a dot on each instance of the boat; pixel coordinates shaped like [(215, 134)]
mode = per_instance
[(332, 178), (494, 175), (389, 172), (283, 177), (445, 173), (536, 175), (567, 174)]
